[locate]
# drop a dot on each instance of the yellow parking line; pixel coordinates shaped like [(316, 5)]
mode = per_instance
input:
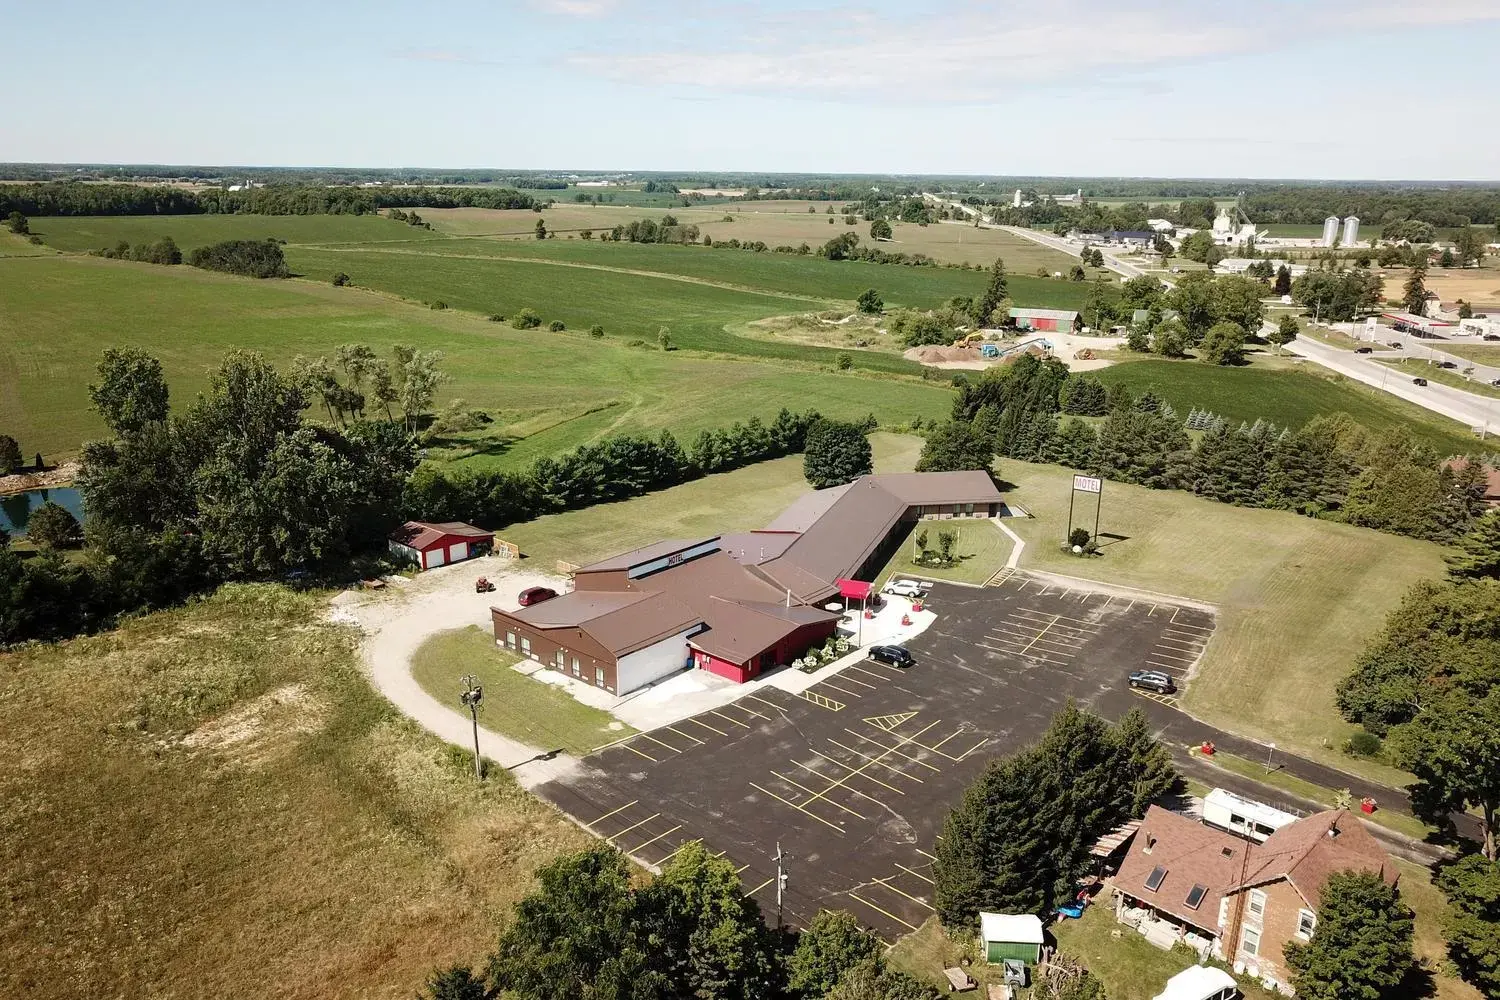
[(685, 735), (1080, 623), (878, 909), (607, 815), (1175, 656), (1192, 643), (816, 795), (728, 719), (769, 704), (867, 673), (926, 855), (888, 767), (627, 746), (919, 875), (1012, 652), (658, 742), (887, 883), (761, 886), (1064, 642), (616, 837), (896, 750), (847, 768), (794, 805), (706, 726), (1110, 600), (641, 847), (740, 869)]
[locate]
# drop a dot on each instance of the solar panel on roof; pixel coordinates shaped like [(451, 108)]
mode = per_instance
[(1195, 896), (1153, 881)]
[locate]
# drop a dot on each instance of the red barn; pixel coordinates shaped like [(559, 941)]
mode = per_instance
[(429, 546)]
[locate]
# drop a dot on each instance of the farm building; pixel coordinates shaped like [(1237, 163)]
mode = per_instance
[(428, 546), (1057, 320), (1011, 935), (734, 605)]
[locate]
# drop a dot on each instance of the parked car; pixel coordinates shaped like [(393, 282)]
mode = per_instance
[(905, 588), (1397, 345), (1447, 364), (1153, 680), (535, 595), (1364, 350), (1495, 381), (1492, 336), (1419, 381), (896, 656)]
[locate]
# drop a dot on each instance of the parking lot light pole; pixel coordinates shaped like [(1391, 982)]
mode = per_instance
[(780, 880), (471, 696)]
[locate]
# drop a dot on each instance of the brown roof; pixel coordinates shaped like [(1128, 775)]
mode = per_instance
[(625, 560), (569, 610), (1491, 476), (1192, 854), (740, 630), (804, 511), (422, 535), (1306, 852)]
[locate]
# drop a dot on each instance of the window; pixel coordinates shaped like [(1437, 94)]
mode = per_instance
[(510, 640), (1195, 896), (575, 666), (599, 676), (525, 645), (968, 508), (1257, 903), (1250, 941), (1306, 921), (559, 658), (1154, 880)]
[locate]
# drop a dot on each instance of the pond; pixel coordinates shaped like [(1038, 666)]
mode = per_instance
[(16, 508)]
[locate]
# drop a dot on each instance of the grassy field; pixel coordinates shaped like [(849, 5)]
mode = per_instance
[(982, 550), (1484, 354), (540, 715), (1297, 597), (733, 501), (548, 392), (231, 810), (1416, 368), (189, 231), (1287, 398)]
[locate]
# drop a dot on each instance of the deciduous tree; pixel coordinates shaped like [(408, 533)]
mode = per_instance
[(1472, 925), (10, 455), (1479, 550), (53, 526), (832, 945), (131, 391), (1453, 748), (955, 446), (870, 302), (1223, 344)]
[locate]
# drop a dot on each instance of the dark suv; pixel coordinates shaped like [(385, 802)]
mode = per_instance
[(896, 656), (1153, 680)]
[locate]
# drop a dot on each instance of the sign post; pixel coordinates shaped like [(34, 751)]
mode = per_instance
[(1085, 484)]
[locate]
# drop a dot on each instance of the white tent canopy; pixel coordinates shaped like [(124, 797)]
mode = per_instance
[(1199, 982)]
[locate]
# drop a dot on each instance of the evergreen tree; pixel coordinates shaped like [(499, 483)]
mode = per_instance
[(1084, 395), (457, 982), (1479, 550), (1075, 446), (1361, 948), (994, 293), (1414, 291), (1283, 284), (1147, 761), (10, 455), (1119, 397), (836, 453), (1147, 449)]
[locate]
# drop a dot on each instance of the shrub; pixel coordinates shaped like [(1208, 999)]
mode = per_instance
[(636, 343), (52, 526), (1078, 538), (341, 279), (251, 258), (440, 304), (526, 319), (846, 362), (10, 455), (497, 317), (596, 331), (1363, 744), (664, 339), (557, 326)]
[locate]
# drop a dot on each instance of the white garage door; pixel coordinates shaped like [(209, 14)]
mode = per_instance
[(434, 558), (458, 552)]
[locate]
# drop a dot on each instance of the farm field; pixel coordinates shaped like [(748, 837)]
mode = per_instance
[(742, 500), (1286, 397), (809, 277), (252, 818), (540, 715), (83, 233), (774, 223), (1479, 286), (57, 314), (1298, 597)]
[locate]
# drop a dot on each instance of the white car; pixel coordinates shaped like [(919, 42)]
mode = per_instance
[(905, 588)]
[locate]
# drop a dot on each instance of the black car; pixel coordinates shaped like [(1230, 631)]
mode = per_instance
[(1419, 381), (1447, 364), (1153, 680), (896, 656), (1364, 350)]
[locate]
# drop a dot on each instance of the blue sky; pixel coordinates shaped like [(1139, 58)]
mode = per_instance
[(1270, 88)]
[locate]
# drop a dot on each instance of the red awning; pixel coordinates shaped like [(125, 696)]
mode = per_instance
[(855, 589)]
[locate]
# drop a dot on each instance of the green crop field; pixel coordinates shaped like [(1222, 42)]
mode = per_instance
[(1298, 597), (548, 391), (1287, 398), (189, 231), (788, 274)]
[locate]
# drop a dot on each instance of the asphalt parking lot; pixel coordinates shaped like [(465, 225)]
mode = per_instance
[(854, 777)]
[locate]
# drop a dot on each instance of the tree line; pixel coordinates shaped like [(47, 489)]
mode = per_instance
[(1331, 467), (249, 258), (71, 198)]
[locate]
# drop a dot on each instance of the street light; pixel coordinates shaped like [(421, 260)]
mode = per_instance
[(471, 696)]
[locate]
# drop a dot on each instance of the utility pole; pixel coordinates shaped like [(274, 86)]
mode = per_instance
[(780, 880), (471, 696)]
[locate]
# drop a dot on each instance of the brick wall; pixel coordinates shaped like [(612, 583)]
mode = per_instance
[(1277, 925)]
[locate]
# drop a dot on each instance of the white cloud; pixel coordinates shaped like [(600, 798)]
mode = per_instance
[(988, 52)]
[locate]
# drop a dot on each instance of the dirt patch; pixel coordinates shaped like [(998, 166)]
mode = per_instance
[(256, 730), (1477, 286), (20, 482)]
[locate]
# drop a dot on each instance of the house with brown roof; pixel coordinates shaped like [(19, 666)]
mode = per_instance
[(733, 605), (1491, 478), (1238, 900)]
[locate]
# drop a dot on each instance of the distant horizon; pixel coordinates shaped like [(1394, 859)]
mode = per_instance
[(739, 172)]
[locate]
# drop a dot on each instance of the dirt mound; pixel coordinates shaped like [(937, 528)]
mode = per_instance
[(936, 354)]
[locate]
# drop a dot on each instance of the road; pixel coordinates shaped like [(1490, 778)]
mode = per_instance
[(1466, 407)]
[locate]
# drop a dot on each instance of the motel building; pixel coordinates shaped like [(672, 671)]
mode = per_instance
[(735, 605)]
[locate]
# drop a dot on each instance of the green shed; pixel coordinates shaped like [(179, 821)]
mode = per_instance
[(1011, 935)]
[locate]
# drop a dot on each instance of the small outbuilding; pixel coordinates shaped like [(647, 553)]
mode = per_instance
[(1200, 982), (1011, 935), (428, 546)]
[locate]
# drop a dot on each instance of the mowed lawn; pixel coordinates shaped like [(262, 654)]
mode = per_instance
[(981, 550), (547, 392), (1287, 398), (540, 715), (1298, 597), (233, 811), (189, 231), (742, 500), (789, 274)]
